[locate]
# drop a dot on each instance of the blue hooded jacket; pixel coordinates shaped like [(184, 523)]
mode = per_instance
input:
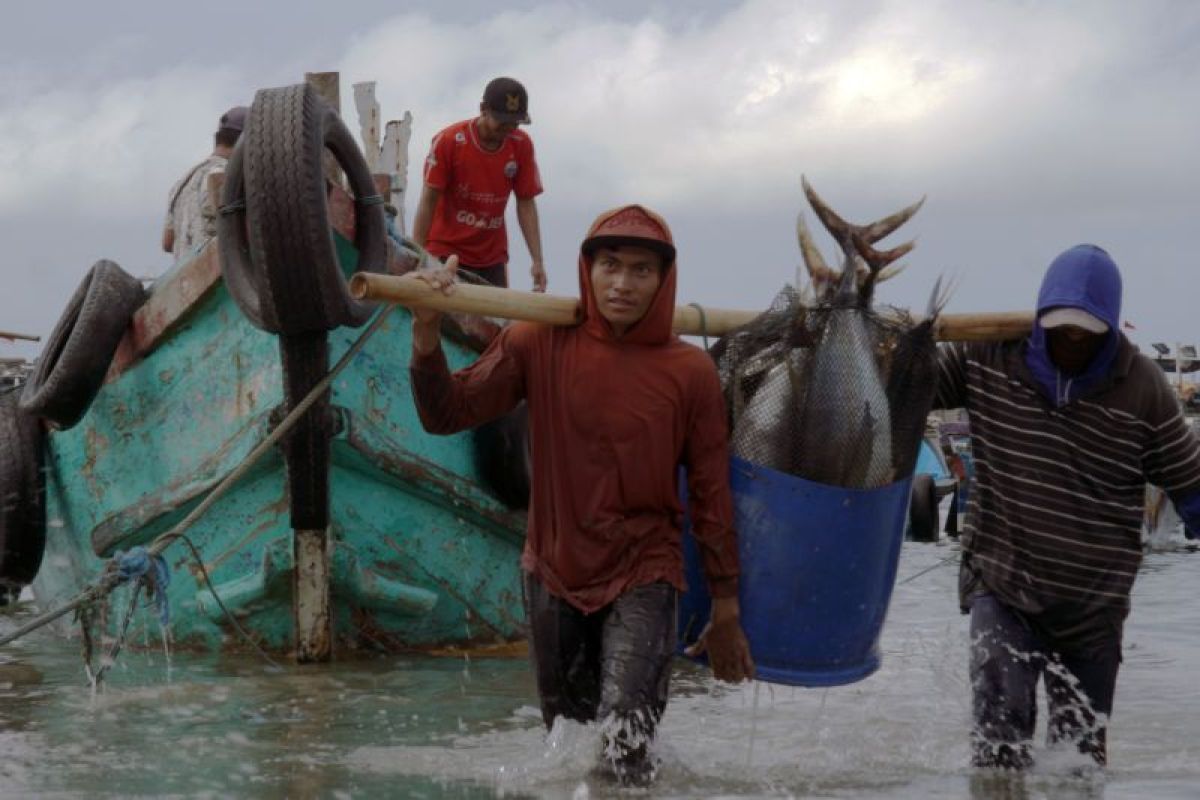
[(1083, 277), (1086, 277)]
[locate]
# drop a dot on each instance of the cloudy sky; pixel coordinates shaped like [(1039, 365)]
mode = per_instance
[(1030, 125)]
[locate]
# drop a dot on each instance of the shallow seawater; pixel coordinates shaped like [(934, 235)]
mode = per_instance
[(209, 726)]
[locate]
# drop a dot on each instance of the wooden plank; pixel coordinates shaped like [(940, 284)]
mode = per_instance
[(368, 122), (394, 161), (310, 596), (25, 337), (172, 297), (328, 87)]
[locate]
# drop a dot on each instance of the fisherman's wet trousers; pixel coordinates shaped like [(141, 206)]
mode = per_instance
[(1007, 658), (613, 665)]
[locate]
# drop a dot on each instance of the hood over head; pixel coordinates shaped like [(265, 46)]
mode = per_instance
[(630, 225), (1082, 277)]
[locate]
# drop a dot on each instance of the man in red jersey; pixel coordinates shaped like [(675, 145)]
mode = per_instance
[(472, 168), (617, 404)]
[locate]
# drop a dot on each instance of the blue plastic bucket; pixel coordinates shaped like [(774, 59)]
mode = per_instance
[(818, 566)]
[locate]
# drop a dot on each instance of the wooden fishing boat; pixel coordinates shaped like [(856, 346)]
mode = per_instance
[(415, 550)]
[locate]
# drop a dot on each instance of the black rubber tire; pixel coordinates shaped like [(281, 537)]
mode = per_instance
[(307, 446), (502, 457), (290, 248), (22, 496), (923, 510), (71, 368), (243, 282)]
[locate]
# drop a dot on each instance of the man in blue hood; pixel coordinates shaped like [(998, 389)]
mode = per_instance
[(1075, 336), (1067, 427)]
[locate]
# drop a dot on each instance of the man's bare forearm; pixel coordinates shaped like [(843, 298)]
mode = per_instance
[(424, 216), (426, 337), (527, 218)]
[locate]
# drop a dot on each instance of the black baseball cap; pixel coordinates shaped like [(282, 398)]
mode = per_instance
[(234, 119), (506, 100)]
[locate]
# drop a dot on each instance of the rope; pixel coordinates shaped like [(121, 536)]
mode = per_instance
[(149, 572), (703, 323), (110, 579), (943, 562), (369, 200), (228, 614), (85, 620)]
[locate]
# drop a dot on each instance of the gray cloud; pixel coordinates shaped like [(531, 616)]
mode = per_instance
[(1029, 125)]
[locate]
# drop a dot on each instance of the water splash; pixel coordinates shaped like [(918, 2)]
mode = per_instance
[(753, 726)]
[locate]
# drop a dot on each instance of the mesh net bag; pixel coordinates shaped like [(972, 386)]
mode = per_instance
[(831, 393)]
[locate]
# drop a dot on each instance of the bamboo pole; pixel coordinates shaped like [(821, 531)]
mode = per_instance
[(983, 326), (408, 290), (488, 301)]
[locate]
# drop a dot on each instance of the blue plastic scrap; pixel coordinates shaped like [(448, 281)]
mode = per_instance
[(137, 565)]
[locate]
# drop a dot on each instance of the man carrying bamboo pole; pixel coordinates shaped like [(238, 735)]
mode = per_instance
[(617, 404), (1067, 427)]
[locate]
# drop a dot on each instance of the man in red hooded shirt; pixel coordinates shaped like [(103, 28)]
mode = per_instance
[(617, 404)]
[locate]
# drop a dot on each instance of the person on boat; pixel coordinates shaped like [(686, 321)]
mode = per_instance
[(472, 168), (617, 404), (1067, 426), (186, 229)]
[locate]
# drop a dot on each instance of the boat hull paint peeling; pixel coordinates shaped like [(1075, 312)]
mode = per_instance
[(418, 555)]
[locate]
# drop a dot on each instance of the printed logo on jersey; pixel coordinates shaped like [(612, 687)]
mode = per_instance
[(460, 138), (510, 170), (481, 221)]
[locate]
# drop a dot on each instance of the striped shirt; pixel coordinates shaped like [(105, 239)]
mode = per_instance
[(1053, 525)]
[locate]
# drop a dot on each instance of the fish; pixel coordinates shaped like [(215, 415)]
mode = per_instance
[(835, 405), (912, 380), (765, 433)]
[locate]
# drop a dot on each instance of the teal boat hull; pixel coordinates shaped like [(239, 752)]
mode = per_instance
[(422, 555)]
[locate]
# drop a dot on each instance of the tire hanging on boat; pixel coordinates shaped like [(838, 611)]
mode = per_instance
[(22, 497), (242, 280), (307, 447), (72, 366), (277, 251)]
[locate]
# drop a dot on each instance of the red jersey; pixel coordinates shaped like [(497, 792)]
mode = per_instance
[(475, 184)]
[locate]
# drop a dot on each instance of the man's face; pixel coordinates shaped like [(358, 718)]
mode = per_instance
[(492, 129), (1071, 348), (624, 282)]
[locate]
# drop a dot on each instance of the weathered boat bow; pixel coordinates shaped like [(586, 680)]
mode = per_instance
[(359, 531)]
